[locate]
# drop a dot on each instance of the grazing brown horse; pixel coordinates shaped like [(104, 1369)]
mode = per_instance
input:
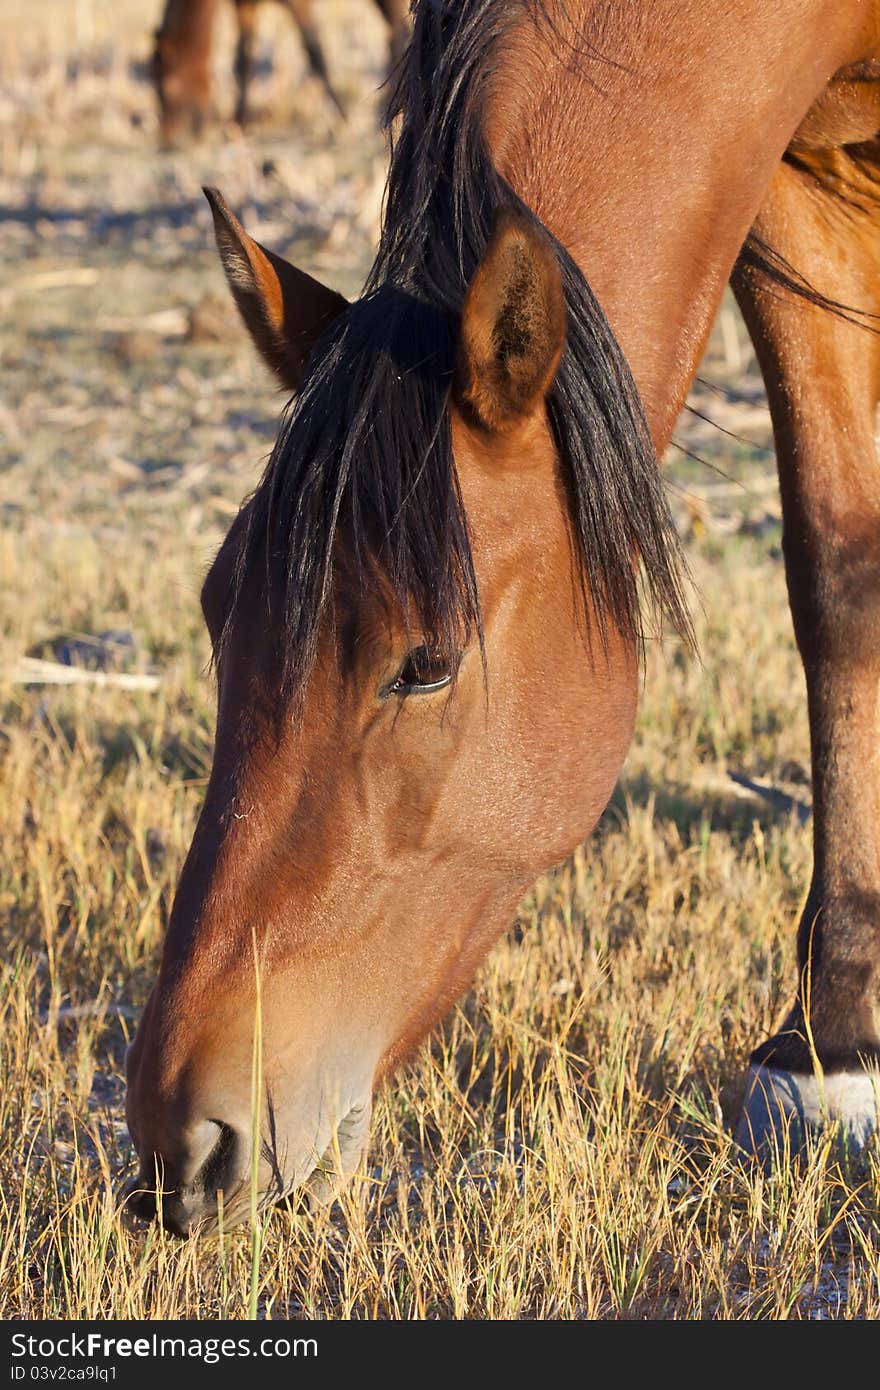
[(426, 619), (182, 57)]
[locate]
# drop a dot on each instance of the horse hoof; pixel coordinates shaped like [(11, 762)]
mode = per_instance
[(783, 1109)]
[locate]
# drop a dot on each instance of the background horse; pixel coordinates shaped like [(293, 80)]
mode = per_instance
[(469, 469), (183, 50)]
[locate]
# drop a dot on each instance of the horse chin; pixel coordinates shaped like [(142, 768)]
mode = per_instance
[(342, 1156), (318, 1183), (315, 1184)]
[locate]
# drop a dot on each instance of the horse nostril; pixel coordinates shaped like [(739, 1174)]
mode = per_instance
[(219, 1170), (186, 1198)]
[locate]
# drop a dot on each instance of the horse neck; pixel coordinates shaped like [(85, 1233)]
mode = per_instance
[(646, 135)]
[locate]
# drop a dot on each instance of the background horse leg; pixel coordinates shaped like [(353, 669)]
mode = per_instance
[(396, 14), (181, 67), (301, 10), (246, 14), (823, 382)]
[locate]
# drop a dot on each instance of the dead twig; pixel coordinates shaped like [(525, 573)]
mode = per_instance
[(32, 670)]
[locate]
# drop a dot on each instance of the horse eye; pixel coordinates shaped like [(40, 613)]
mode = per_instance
[(423, 670)]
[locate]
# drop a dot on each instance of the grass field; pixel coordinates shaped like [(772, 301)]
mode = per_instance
[(561, 1147)]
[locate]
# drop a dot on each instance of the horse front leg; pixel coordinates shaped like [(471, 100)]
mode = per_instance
[(396, 16), (823, 382), (301, 12), (246, 15)]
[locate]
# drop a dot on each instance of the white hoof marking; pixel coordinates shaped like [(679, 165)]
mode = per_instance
[(778, 1101)]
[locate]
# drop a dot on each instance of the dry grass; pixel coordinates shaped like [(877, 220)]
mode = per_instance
[(561, 1148)]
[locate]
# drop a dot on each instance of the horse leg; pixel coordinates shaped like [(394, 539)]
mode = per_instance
[(301, 10), (181, 67), (246, 15), (823, 382), (395, 14)]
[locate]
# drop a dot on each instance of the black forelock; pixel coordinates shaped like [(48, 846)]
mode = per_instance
[(364, 455)]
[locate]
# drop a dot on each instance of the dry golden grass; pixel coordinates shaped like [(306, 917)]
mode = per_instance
[(561, 1147)]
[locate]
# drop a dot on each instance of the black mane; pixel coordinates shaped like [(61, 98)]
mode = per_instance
[(364, 452)]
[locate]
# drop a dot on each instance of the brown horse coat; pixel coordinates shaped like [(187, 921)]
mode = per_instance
[(426, 620)]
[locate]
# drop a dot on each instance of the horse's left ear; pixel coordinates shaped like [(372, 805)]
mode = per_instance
[(284, 309), (512, 325)]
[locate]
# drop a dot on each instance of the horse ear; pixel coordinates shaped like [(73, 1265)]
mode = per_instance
[(284, 309), (512, 324)]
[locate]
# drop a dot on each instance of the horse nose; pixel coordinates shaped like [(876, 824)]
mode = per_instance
[(175, 1212), (145, 1204), (182, 1191)]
